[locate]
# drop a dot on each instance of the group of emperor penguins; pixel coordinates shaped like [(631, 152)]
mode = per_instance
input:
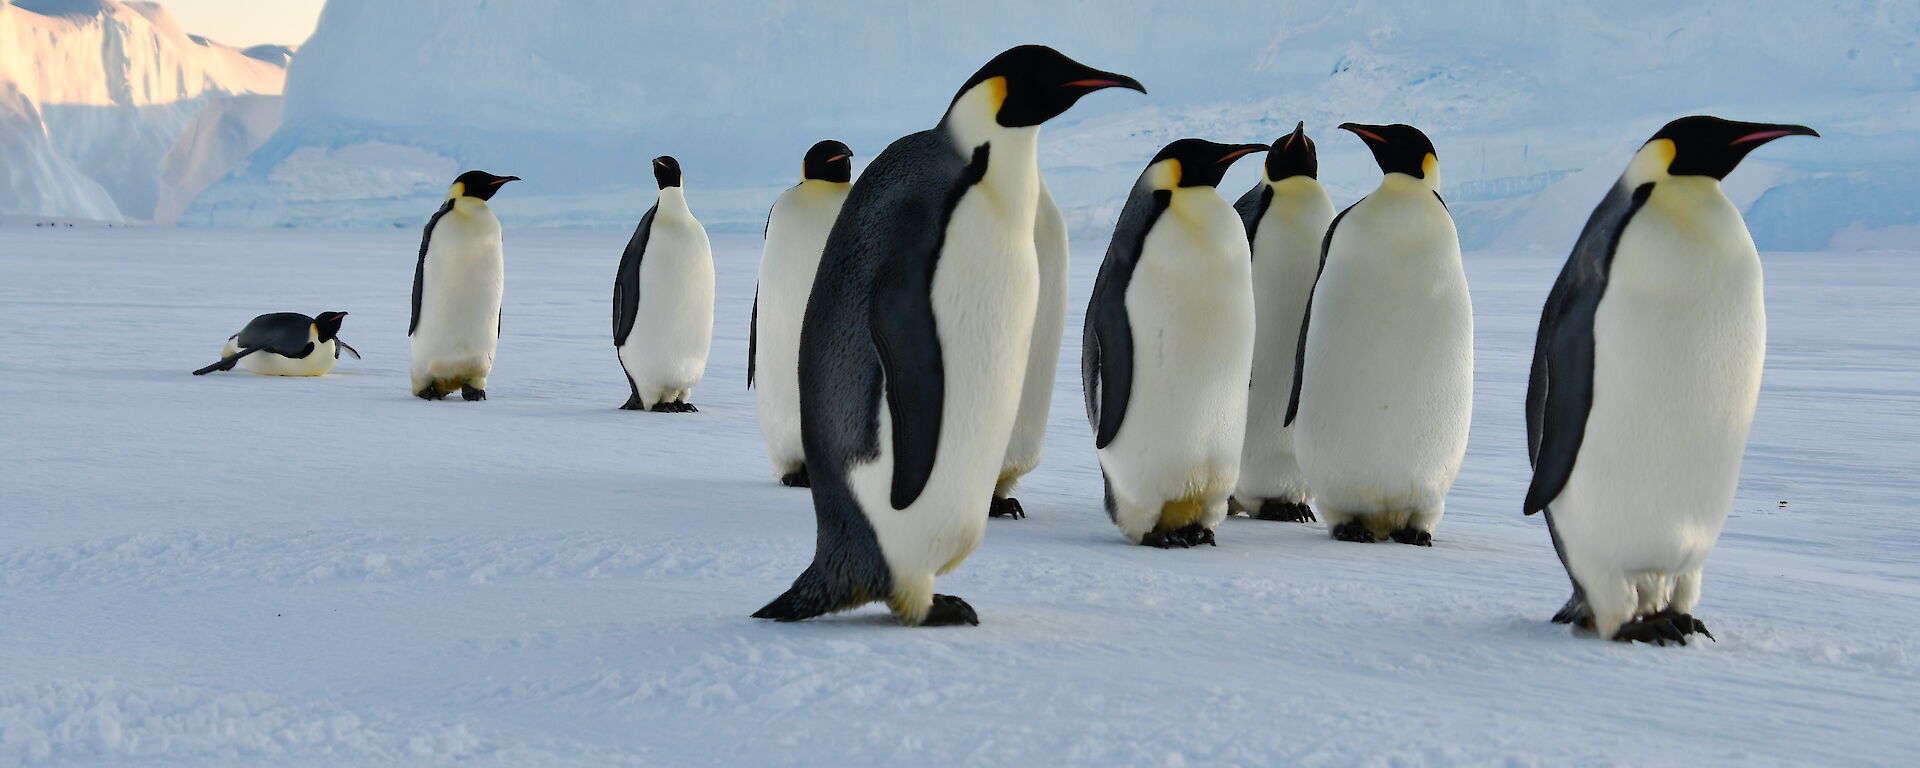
[(1257, 356)]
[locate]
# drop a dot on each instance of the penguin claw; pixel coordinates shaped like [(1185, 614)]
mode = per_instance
[(949, 611), (430, 393), (472, 395), (796, 479), (1686, 623), (1286, 512), (662, 407), (1353, 530), (1656, 629), (687, 408), (1412, 536), (1185, 537), (1008, 508)]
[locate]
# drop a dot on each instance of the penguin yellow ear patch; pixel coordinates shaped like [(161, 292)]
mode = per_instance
[(459, 189), (1427, 165)]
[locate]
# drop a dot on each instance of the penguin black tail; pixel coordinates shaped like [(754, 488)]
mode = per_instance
[(226, 363), (812, 594)]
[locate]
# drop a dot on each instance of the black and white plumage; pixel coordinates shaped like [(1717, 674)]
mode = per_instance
[(458, 283), (1645, 373), (1168, 346), (1286, 216), (915, 339), (285, 344), (663, 301)]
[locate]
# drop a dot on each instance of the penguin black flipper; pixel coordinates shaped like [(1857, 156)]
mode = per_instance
[(340, 345), (753, 335), (420, 268), (1300, 352), (904, 334), (1106, 349), (626, 283), (1252, 207), (1560, 387)]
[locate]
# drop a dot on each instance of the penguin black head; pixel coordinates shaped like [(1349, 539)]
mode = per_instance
[(1037, 83), (666, 170), (1201, 163), (327, 324), (1398, 148), (1710, 146), (479, 184), (828, 161), (1293, 155)]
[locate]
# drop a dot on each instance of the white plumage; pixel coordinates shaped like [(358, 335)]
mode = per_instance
[(1286, 256), (666, 350), (796, 234)]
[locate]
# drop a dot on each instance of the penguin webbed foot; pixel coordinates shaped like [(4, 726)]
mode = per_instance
[(797, 479), (1651, 629), (1353, 530), (1285, 511), (1414, 536), (472, 395), (948, 611), (431, 392), (661, 407), (685, 408), (1008, 507), (1685, 622), (1184, 537)]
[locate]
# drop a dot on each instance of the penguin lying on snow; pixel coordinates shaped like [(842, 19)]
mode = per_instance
[(1383, 376), (285, 344), (1167, 348), (915, 342), (663, 301), (1286, 216), (796, 232), (1645, 373), (456, 292)]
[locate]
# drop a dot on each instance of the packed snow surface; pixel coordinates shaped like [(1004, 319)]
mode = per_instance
[(246, 570)]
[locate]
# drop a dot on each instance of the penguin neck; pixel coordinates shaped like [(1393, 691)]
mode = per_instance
[(467, 205), (1013, 168), (1397, 183), (673, 203)]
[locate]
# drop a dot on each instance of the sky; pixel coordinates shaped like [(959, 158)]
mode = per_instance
[(248, 22)]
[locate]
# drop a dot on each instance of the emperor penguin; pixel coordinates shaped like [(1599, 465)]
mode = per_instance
[(1645, 373), (663, 301), (915, 343), (1286, 217), (285, 344), (796, 233), (456, 289), (1383, 374), (1043, 358), (1168, 346)]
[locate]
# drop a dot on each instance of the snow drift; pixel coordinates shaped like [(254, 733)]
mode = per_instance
[(95, 95)]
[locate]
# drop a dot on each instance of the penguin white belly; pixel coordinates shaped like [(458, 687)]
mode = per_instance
[(316, 363), (985, 291), (666, 352), (1287, 254), (1176, 457), (796, 236), (1043, 353), (1387, 395), (460, 298), (1679, 344)]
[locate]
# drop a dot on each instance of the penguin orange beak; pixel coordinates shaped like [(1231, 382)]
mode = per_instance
[(1768, 133), (1365, 132), (505, 179), (1241, 151), (1106, 80), (838, 158)]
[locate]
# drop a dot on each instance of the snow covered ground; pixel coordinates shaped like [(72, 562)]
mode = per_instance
[(243, 570)]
